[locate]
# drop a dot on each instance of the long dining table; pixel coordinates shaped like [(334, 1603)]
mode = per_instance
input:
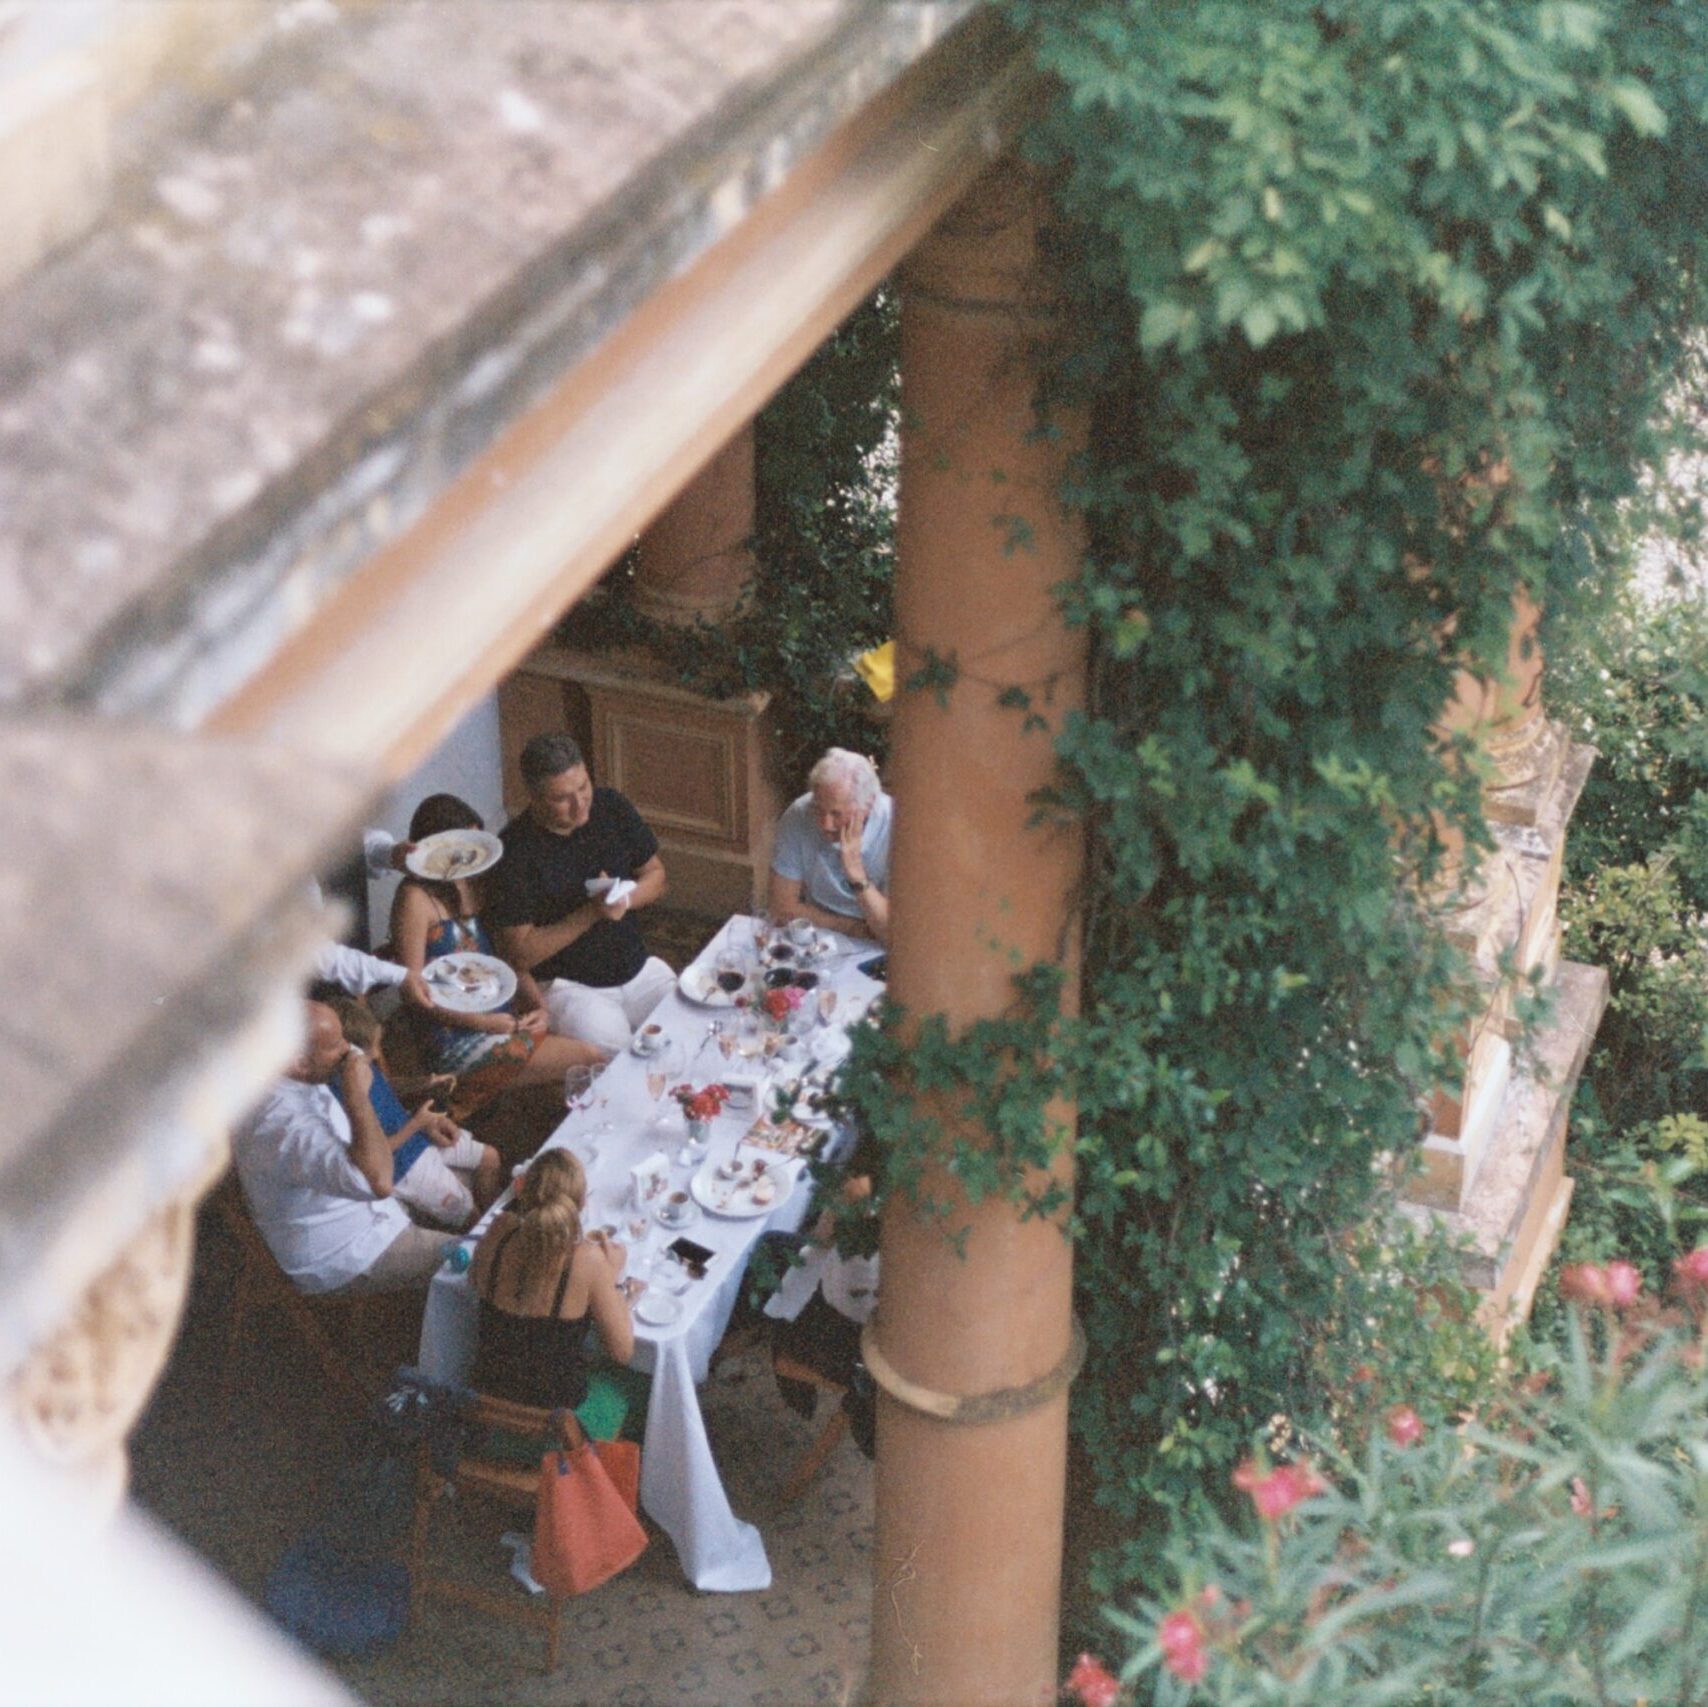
[(617, 1125)]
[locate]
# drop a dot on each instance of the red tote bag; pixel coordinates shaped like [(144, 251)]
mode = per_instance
[(585, 1529)]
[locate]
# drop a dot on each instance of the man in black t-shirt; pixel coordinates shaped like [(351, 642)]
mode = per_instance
[(582, 946)]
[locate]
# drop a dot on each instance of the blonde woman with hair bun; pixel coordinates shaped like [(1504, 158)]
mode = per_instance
[(541, 1283)]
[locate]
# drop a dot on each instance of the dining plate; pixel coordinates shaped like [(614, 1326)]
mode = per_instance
[(658, 1309), (734, 1198), (455, 853), (470, 983), (699, 984)]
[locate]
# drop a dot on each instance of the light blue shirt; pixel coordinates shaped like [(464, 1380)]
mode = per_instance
[(814, 861)]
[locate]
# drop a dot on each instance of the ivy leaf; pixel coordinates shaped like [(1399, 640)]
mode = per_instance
[(1640, 108)]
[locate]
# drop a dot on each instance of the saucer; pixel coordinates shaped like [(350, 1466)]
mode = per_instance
[(687, 1214), (658, 1309)]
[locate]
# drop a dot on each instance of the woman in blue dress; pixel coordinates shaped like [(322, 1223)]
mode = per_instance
[(486, 1052)]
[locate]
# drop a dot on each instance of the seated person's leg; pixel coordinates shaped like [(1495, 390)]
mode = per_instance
[(409, 1261), (594, 1016), (433, 1195), (646, 990)]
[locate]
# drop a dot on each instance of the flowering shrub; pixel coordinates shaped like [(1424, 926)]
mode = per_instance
[(1553, 1551), (706, 1103)]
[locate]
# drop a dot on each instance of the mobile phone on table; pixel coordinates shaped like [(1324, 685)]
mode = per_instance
[(691, 1255)]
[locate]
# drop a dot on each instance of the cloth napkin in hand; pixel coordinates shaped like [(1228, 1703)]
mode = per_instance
[(611, 890)]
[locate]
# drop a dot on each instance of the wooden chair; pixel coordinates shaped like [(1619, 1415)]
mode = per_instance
[(327, 1325), (513, 1486), (787, 1368)]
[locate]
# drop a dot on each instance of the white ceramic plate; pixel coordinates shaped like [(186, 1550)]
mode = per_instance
[(455, 853), (734, 1198), (658, 1309), (700, 985), (470, 983)]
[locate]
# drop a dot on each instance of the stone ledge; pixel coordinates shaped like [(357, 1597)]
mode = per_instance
[(312, 309), (158, 905), (1506, 1213)]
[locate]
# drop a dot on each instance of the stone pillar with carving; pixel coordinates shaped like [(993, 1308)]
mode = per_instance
[(973, 1345)]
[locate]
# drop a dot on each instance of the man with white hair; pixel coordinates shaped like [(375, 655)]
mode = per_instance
[(830, 861)]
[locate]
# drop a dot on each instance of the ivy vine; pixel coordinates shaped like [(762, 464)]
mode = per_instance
[(1374, 307)]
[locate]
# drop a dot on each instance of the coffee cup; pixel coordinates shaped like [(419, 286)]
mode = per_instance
[(801, 932)]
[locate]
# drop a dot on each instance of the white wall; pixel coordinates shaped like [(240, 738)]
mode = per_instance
[(469, 765)]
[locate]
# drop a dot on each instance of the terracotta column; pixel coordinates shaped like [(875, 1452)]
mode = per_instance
[(969, 1515), (696, 559)]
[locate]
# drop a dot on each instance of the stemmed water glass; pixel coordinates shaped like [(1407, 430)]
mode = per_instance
[(663, 1069)]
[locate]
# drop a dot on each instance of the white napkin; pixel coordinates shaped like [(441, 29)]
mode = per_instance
[(650, 1180), (611, 890)]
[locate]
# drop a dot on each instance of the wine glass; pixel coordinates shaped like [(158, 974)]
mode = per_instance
[(826, 1006), (663, 1069), (729, 972), (762, 928)]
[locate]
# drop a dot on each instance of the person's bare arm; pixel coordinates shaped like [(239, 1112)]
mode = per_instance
[(874, 904), (607, 1306), (784, 901), (370, 1151), (412, 918), (525, 946)]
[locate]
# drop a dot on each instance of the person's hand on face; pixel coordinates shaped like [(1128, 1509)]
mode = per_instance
[(848, 844), (357, 1072)]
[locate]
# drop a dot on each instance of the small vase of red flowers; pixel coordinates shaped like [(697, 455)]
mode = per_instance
[(700, 1107)]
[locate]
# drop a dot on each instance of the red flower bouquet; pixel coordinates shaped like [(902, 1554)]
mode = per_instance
[(706, 1103)]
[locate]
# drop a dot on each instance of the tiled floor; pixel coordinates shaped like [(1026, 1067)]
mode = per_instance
[(241, 1489)]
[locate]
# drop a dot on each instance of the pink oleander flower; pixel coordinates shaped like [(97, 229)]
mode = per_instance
[(1278, 1492), (1181, 1638), (1616, 1287), (1404, 1426), (1584, 1282), (1582, 1504), (1092, 1684), (1690, 1273)]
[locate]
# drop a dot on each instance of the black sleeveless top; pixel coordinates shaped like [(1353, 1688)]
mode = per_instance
[(530, 1360)]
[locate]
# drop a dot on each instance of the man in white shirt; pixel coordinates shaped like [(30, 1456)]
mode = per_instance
[(830, 859), (319, 1181)]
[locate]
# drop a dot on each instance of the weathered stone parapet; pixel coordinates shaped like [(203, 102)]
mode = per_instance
[(1511, 1221)]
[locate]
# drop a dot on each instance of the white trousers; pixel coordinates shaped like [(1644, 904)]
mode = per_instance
[(607, 1016), (436, 1188)]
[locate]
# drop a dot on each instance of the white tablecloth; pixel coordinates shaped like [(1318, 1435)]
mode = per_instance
[(681, 1489)]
